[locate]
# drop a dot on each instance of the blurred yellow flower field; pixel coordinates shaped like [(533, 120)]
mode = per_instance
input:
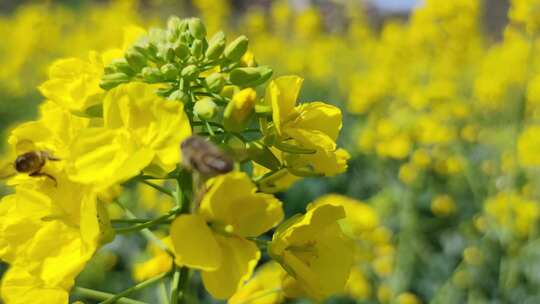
[(217, 151)]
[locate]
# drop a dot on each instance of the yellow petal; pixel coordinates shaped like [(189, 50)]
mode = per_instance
[(319, 116), (248, 213), (281, 94), (263, 288), (194, 243), (240, 257), (20, 287), (106, 157)]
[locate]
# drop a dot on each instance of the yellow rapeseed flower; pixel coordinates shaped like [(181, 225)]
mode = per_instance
[(314, 251), (263, 288), (141, 131), (313, 125), (214, 240), (48, 232)]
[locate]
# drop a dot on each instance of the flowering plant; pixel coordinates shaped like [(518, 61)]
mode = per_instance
[(172, 108)]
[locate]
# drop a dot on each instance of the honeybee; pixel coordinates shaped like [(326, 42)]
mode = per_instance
[(32, 162), (204, 157)]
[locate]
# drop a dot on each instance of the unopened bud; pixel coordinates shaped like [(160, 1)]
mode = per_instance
[(152, 75), (215, 82), (169, 71), (135, 59), (205, 108), (237, 148), (121, 65), (197, 48), (239, 110), (178, 95), (250, 76), (181, 50), (174, 23), (236, 49), (216, 45), (147, 48), (110, 81), (248, 60), (196, 28), (190, 72)]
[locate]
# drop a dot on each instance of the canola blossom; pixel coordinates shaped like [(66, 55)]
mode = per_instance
[(270, 152), (166, 107)]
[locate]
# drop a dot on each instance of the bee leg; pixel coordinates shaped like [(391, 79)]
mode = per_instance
[(38, 173), (52, 158)]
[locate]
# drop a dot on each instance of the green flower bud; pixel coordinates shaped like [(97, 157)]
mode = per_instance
[(175, 25), (239, 110), (250, 76), (262, 155), (178, 95), (135, 59), (190, 72), (205, 108), (173, 22), (196, 28), (121, 65), (169, 71), (152, 75), (215, 82), (181, 50), (236, 49), (197, 48), (236, 148), (147, 48), (110, 81), (216, 45)]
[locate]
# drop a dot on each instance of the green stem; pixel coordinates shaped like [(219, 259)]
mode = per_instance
[(148, 224), (209, 128), (147, 233), (204, 123), (158, 188), (184, 195), (179, 285), (100, 295), (136, 287), (129, 221), (162, 293), (175, 284)]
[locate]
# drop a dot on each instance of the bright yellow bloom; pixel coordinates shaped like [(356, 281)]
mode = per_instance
[(159, 262), (358, 285), (443, 205), (360, 217), (313, 125), (263, 288), (408, 298), (48, 232), (529, 146), (215, 239), (141, 131), (527, 13), (239, 109), (74, 83), (314, 251), (54, 132), (511, 212)]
